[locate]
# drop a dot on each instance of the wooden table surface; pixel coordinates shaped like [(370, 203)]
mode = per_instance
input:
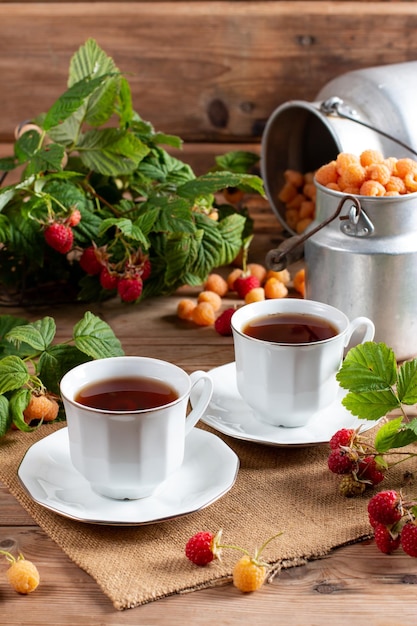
[(355, 584)]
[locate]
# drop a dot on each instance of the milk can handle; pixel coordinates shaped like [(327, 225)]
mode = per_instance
[(290, 250), (335, 105)]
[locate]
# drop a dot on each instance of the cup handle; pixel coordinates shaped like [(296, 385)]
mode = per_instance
[(368, 326), (203, 401)]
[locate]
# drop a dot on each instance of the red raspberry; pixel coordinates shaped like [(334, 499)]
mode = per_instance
[(385, 507), (222, 324), (342, 437), (339, 462), (203, 547), (75, 218), (89, 261), (60, 237), (245, 284), (370, 471), (409, 539), (108, 280), (385, 541), (129, 289)]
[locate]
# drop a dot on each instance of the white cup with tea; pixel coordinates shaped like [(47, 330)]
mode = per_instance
[(288, 352), (127, 421)]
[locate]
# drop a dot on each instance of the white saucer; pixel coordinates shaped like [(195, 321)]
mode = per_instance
[(209, 470), (229, 414)]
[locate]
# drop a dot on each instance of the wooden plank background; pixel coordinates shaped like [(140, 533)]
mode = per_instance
[(211, 72)]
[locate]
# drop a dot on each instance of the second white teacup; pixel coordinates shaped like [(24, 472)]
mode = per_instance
[(288, 378), (126, 443)]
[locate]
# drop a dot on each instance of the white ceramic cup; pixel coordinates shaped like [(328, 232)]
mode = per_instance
[(286, 384), (127, 455)]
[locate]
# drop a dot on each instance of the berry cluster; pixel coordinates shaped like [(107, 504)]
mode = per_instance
[(22, 575), (355, 461), (125, 277), (253, 284), (394, 522), (249, 572)]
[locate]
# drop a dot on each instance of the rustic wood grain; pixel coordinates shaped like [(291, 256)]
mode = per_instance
[(207, 71)]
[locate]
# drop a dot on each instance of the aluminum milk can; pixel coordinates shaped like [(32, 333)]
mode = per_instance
[(364, 262)]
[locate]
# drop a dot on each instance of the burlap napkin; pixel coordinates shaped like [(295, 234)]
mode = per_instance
[(277, 489)]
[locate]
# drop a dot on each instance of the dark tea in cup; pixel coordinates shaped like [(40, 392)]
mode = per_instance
[(290, 328), (136, 393)]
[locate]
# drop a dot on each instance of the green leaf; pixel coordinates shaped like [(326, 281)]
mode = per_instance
[(231, 229), (238, 161), (18, 403), (371, 405), (13, 373), (6, 195), (393, 435), (368, 367), (126, 226), (5, 417), (111, 152), (95, 338), (407, 382), (216, 181), (38, 335), (47, 158), (7, 164), (57, 361), (8, 322), (71, 100)]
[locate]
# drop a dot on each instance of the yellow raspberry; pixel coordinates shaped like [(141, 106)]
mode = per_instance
[(296, 202), (327, 174), (203, 314), (294, 177), (283, 276), (302, 224), (52, 414), (39, 406), (232, 277), (405, 166), (287, 193), (379, 172), (211, 297), (216, 283), (255, 295), (23, 575), (372, 188), (299, 281), (368, 157), (185, 308), (396, 184), (274, 289), (345, 160), (258, 270), (248, 574)]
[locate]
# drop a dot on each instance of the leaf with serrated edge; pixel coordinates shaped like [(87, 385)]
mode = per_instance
[(368, 367), (18, 403), (38, 335), (13, 373), (407, 382), (5, 417), (56, 361), (95, 338), (371, 405), (393, 435)]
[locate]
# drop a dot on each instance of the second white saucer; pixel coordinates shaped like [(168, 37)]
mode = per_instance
[(229, 414)]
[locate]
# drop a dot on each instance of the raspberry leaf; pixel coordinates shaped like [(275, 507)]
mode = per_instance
[(368, 367), (13, 373), (371, 405), (407, 382), (95, 338), (18, 402), (394, 434), (5, 417), (56, 361), (38, 335)]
